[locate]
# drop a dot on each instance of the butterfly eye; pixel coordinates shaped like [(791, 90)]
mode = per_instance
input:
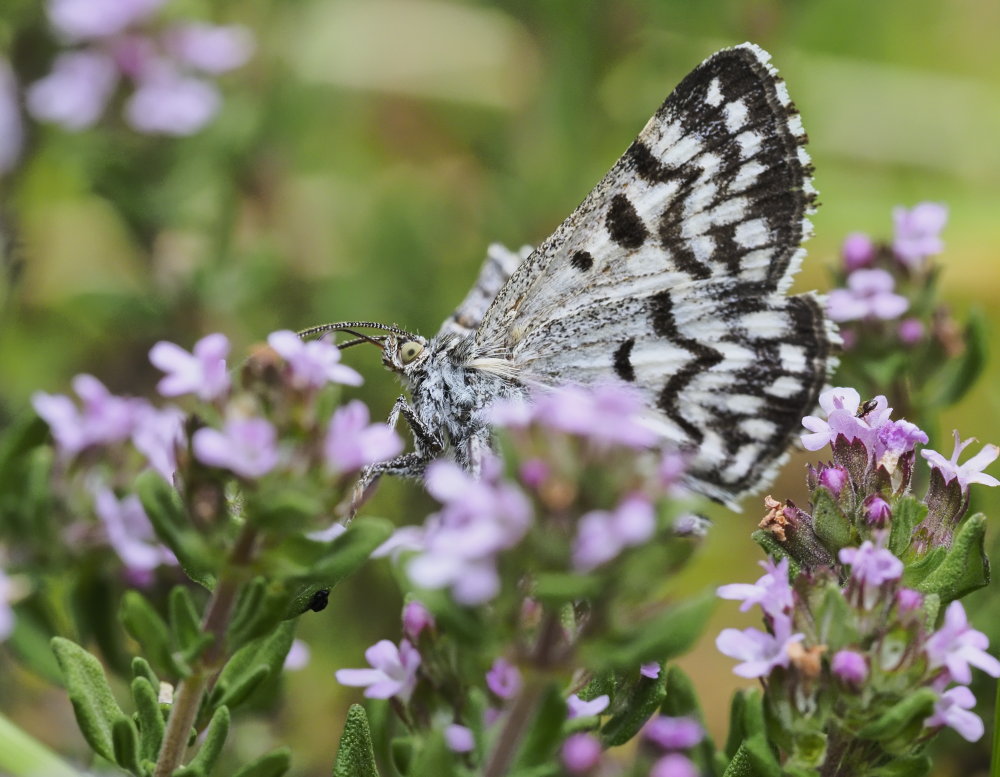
[(409, 351)]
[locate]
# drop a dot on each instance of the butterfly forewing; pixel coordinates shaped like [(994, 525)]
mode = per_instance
[(671, 275)]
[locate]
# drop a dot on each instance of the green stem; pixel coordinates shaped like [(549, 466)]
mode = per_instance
[(21, 755), (192, 689)]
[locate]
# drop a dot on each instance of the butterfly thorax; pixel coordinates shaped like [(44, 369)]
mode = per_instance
[(449, 396)]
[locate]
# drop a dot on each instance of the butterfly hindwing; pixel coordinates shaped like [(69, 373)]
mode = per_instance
[(671, 275)]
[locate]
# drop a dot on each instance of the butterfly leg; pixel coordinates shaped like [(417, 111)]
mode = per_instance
[(409, 465)]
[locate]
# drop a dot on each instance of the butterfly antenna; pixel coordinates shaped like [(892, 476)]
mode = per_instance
[(347, 326)]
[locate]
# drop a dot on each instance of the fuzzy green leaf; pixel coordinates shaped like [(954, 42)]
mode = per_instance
[(215, 737), (273, 764), (185, 622), (545, 732), (633, 708), (961, 373), (95, 708), (832, 527), (904, 766), (149, 717), (907, 514), (146, 626), (252, 664), (663, 637), (170, 522), (892, 723), (141, 668), (125, 742), (965, 568), (355, 754)]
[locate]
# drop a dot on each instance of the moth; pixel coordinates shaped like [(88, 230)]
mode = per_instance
[(671, 276)]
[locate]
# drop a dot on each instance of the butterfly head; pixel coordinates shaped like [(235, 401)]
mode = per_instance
[(404, 353)]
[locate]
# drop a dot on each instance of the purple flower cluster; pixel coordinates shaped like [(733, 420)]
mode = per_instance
[(882, 282), (607, 414), (479, 518), (112, 40), (886, 441), (872, 589)]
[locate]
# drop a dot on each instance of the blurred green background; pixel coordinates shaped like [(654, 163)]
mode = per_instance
[(373, 148)]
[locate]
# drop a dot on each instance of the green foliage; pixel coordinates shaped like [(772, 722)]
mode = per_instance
[(251, 665), (93, 704), (273, 764), (355, 754), (965, 567), (635, 701), (215, 737), (146, 626)]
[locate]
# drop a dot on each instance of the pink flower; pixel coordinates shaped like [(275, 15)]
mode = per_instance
[(158, 434), (313, 363), (971, 471), (210, 48), (479, 519), (504, 679), (77, 90), (416, 618), (772, 591), (670, 733), (858, 250), (871, 565), (578, 708), (869, 295), (393, 672), (850, 666), (581, 752), (130, 533), (953, 709), (918, 232), (246, 447), (957, 646), (602, 535), (169, 103), (298, 656), (650, 670), (459, 739), (674, 765), (759, 651), (352, 443), (90, 19), (202, 372), (103, 418)]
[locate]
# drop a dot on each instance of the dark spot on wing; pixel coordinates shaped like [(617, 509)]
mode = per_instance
[(623, 362), (624, 224), (582, 261)]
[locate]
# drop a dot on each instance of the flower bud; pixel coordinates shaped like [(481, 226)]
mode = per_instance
[(833, 479), (877, 511), (849, 666)]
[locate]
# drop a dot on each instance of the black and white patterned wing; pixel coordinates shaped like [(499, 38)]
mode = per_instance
[(499, 265), (672, 275)]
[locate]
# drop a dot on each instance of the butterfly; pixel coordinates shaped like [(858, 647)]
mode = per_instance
[(671, 276)]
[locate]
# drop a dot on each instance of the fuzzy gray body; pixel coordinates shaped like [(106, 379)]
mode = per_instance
[(671, 276), (448, 399)]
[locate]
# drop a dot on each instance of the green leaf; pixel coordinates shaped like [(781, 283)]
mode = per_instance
[(150, 630), (252, 664), (832, 527), (962, 372), (355, 754), (348, 552), (273, 764), (434, 759), (890, 724), (185, 622), (95, 708), (904, 766), (545, 731), (557, 588), (741, 765), (215, 737), (141, 668), (149, 716), (663, 637), (286, 511), (907, 514), (170, 522), (125, 742), (632, 709), (682, 701), (965, 568)]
